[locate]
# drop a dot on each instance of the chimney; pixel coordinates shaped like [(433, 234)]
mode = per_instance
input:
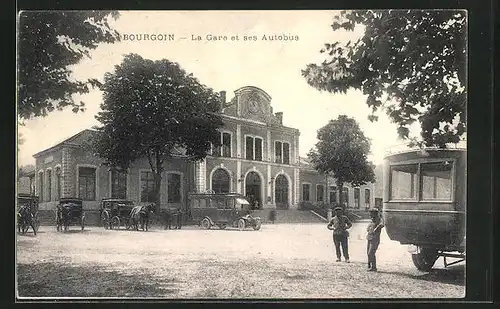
[(279, 115), (222, 100)]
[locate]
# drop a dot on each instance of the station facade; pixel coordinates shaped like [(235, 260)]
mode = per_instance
[(259, 158)]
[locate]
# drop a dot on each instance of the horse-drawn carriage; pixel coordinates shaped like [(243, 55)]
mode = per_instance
[(27, 213), (68, 212), (114, 212)]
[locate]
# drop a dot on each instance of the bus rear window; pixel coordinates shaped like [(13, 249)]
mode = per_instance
[(404, 181), (436, 180)]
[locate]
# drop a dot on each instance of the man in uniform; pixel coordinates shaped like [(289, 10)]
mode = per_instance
[(339, 225), (373, 237)]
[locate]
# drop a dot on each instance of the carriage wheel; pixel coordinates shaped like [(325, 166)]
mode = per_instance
[(115, 222), (24, 228), (257, 224), (206, 224), (105, 220), (241, 224)]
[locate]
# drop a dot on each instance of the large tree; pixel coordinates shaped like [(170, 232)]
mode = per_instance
[(152, 109), (410, 62), (49, 43), (341, 152)]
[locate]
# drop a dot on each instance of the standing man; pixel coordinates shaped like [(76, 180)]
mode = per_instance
[(339, 225), (373, 237)]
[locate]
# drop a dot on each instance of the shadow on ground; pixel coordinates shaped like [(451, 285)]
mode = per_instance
[(452, 275), (56, 280)]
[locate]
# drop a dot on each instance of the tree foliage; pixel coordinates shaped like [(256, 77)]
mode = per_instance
[(152, 109), (49, 43), (415, 58), (341, 152)]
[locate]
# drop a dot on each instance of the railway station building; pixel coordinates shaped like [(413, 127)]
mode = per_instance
[(259, 158)]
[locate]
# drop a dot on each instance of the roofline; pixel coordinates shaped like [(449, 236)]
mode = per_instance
[(64, 142), (423, 149), (241, 89)]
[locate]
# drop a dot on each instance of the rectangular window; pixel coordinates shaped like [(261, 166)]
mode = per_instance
[(86, 183), (436, 181), (286, 153), (174, 188), (249, 148), (58, 183), (367, 198), (306, 194), (357, 198), (147, 186), (403, 181), (320, 192), (278, 152), (40, 186), (118, 184), (258, 149), (345, 196), (49, 185), (253, 148), (333, 194), (226, 144)]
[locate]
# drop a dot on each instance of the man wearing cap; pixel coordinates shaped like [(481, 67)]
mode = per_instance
[(373, 237), (339, 225)]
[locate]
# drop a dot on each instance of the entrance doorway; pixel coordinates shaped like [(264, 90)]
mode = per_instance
[(253, 185), (281, 192)]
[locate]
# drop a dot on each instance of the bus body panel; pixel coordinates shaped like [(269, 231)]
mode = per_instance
[(426, 222)]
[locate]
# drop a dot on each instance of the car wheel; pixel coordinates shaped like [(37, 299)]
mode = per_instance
[(206, 224), (425, 259), (105, 220), (241, 224), (257, 224)]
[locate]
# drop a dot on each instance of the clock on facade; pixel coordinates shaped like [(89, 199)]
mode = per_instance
[(253, 106)]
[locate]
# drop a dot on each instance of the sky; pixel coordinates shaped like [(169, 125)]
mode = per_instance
[(274, 66)]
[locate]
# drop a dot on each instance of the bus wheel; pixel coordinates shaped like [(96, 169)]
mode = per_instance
[(206, 224), (425, 259)]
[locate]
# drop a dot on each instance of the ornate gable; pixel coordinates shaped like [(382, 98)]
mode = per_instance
[(255, 104)]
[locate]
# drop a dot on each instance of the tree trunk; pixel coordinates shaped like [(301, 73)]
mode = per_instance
[(340, 188), (157, 191)]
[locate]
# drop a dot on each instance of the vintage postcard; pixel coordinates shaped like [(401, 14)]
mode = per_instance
[(241, 154)]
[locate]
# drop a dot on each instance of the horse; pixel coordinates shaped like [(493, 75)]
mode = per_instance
[(140, 214), (63, 216), (25, 220), (172, 215)]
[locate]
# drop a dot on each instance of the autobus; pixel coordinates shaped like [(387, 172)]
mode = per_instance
[(424, 203)]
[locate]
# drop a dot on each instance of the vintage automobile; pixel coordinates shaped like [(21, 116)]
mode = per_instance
[(425, 203), (68, 212), (114, 212), (222, 210), (30, 201)]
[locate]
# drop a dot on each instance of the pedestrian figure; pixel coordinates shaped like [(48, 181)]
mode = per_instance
[(339, 224), (373, 237), (272, 215)]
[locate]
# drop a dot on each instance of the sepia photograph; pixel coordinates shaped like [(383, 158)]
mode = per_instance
[(215, 155)]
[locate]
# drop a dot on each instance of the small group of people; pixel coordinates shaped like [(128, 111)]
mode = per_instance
[(340, 224)]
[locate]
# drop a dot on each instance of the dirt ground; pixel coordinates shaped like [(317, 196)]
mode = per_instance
[(278, 261)]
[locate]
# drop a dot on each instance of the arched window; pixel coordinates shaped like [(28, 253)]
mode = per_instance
[(281, 191), (221, 181), (58, 183)]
